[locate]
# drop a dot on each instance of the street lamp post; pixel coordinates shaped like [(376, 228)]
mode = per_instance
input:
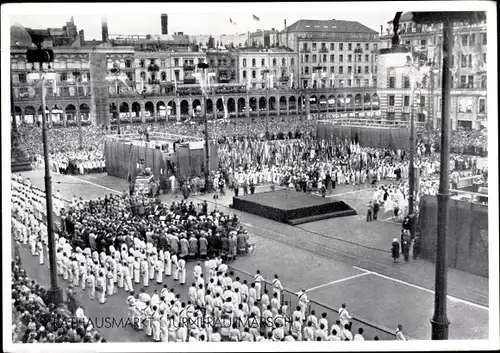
[(317, 69), (203, 78), (42, 56), (411, 191), (440, 321), (115, 71), (266, 72), (12, 107), (77, 75)]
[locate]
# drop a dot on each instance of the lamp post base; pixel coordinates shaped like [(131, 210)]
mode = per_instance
[(440, 329), (56, 296)]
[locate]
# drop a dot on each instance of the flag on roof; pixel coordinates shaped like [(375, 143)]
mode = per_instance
[(255, 18), (231, 21)]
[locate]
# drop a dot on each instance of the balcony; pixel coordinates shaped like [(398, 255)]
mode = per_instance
[(153, 68), (284, 78), (153, 82), (189, 80), (63, 96), (189, 67), (125, 95), (305, 50), (323, 50), (25, 98)]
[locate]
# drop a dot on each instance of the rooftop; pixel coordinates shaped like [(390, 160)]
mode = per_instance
[(339, 26), (262, 50)]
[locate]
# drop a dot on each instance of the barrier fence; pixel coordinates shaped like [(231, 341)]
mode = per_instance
[(370, 329), (469, 196)]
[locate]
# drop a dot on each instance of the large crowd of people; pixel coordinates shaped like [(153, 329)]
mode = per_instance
[(36, 320), (290, 156), (103, 247), (64, 149), (122, 242)]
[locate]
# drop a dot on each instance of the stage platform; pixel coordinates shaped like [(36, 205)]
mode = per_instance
[(292, 207)]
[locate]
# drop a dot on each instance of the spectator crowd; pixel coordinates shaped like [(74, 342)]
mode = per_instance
[(107, 245)]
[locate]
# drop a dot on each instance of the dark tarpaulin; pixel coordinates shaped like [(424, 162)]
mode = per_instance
[(467, 237), (133, 156), (122, 158), (197, 161), (367, 136), (214, 159), (183, 160)]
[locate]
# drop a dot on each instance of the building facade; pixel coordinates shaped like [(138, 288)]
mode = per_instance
[(469, 75), (268, 68), (224, 63), (68, 96), (333, 53), (144, 83)]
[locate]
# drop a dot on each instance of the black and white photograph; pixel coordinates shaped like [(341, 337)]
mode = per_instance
[(206, 176)]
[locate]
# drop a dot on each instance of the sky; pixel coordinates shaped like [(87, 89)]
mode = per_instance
[(193, 18)]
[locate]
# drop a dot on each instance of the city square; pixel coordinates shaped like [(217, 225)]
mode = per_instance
[(252, 187)]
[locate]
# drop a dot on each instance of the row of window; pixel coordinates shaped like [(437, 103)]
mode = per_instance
[(163, 62), (23, 65), (473, 39), (284, 73), (466, 60), (465, 105), (339, 83), (466, 81), (358, 69), (60, 91), (63, 76), (341, 46), (323, 58), (263, 62)]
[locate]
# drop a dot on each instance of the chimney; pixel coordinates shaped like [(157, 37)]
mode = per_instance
[(164, 23), (104, 26), (81, 33), (286, 35)]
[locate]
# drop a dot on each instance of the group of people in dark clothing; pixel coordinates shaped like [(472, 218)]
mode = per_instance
[(110, 221)]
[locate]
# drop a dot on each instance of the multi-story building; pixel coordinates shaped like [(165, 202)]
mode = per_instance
[(333, 53), (262, 38), (268, 68), (66, 97), (469, 75), (157, 83), (224, 63)]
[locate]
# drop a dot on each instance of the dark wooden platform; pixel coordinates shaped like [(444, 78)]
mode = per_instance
[(20, 167), (292, 207)]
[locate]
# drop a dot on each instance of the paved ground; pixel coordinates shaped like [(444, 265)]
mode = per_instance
[(339, 260)]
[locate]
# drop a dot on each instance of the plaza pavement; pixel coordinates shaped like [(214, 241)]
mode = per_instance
[(338, 260)]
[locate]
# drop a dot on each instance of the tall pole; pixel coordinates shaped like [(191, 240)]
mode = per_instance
[(440, 321), (12, 107), (78, 119), (267, 103), (207, 155), (412, 153), (55, 293), (117, 108), (204, 84)]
